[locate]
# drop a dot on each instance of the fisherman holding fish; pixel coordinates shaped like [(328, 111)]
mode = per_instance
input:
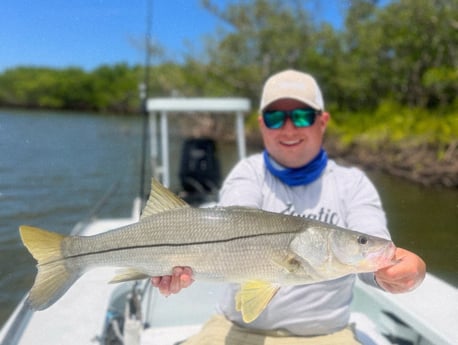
[(294, 176), (291, 232)]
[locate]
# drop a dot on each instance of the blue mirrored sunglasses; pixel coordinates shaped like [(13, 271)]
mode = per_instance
[(301, 117)]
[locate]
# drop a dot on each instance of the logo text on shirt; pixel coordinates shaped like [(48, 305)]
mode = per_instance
[(325, 215)]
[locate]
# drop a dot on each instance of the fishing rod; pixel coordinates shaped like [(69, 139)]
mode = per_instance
[(144, 93)]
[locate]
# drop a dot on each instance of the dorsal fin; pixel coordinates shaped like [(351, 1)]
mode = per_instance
[(161, 199)]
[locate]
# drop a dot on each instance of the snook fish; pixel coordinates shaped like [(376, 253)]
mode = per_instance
[(261, 250)]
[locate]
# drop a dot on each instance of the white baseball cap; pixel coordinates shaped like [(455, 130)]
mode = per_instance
[(292, 84)]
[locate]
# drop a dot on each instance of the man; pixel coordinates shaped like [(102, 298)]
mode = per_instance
[(295, 176)]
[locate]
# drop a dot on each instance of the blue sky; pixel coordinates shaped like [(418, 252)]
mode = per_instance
[(88, 33)]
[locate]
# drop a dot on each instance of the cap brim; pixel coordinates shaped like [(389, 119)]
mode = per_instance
[(307, 103)]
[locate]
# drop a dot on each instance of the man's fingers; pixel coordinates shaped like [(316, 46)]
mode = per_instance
[(186, 277), (175, 283), (164, 285), (156, 281), (170, 284)]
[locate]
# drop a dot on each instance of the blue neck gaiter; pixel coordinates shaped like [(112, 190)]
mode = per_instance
[(297, 176)]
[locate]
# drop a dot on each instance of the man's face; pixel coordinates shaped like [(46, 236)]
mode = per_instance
[(290, 146)]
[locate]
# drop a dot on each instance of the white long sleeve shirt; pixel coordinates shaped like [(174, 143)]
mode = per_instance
[(341, 196)]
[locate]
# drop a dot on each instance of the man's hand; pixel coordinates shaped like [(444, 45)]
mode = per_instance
[(181, 278), (406, 275)]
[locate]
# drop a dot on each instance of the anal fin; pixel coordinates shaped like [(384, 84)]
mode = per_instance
[(128, 274)]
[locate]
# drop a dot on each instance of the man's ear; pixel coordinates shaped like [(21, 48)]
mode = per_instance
[(324, 119), (260, 120)]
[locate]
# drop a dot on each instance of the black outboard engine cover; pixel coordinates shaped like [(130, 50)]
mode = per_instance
[(199, 169)]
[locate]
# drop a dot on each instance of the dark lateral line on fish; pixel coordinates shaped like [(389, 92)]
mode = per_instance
[(176, 244)]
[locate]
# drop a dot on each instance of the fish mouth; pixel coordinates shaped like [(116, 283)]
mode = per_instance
[(384, 257), (390, 251)]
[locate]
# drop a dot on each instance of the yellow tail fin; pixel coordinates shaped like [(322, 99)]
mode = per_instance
[(54, 277)]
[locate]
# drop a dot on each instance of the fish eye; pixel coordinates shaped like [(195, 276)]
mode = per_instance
[(362, 240)]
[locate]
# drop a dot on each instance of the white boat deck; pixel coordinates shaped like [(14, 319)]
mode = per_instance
[(431, 310)]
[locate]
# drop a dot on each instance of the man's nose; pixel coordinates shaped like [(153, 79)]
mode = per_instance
[(288, 125)]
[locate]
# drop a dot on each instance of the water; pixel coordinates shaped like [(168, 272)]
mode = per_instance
[(54, 167), (423, 220)]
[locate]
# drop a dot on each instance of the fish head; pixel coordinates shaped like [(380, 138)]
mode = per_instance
[(365, 253)]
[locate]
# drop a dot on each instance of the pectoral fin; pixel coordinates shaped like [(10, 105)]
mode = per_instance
[(290, 263), (253, 298), (127, 275)]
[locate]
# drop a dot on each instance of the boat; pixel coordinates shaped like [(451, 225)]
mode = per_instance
[(134, 313)]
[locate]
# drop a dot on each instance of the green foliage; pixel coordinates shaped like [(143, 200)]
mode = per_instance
[(115, 88), (419, 37), (397, 124), (108, 88)]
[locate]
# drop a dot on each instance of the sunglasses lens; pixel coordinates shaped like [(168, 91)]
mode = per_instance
[(274, 119), (303, 117)]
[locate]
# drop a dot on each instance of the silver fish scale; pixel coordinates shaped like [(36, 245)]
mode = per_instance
[(218, 243)]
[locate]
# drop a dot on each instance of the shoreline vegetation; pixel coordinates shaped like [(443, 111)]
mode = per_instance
[(416, 144), (425, 164)]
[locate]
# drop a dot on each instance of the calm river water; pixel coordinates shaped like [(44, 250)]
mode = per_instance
[(54, 167)]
